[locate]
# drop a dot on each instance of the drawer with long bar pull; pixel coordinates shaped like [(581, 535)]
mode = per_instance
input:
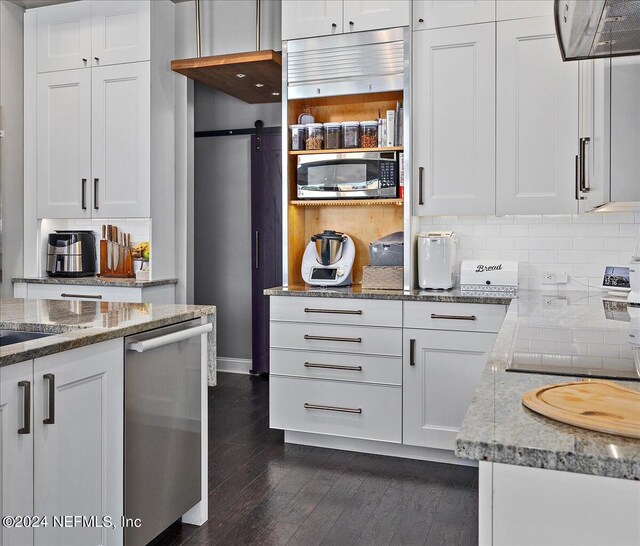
[(337, 366), (354, 311), (354, 410), (467, 317), (335, 337)]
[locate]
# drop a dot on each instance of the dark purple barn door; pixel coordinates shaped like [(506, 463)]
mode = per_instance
[(266, 229)]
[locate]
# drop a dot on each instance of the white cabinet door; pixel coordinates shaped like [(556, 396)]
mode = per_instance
[(304, 18), (454, 120), (79, 435), (521, 9), (537, 121), (375, 14), (445, 13), (441, 370), (121, 137), (121, 31), (16, 450), (64, 144), (64, 36)]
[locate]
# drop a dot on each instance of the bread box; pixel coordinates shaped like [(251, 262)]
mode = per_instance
[(489, 276)]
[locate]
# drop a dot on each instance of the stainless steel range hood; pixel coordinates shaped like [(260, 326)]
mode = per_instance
[(590, 29)]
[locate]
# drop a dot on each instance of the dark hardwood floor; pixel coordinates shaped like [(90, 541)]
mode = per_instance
[(262, 491)]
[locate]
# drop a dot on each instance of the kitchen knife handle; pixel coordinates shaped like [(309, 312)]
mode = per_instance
[(584, 182), (84, 194), (420, 185), (95, 193), (26, 427), (412, 352), (51, 418)]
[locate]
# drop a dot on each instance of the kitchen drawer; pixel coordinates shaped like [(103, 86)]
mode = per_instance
[(334, 337), (340, 366), (468, 317), (77, 292), (354, 410), (337, 311)]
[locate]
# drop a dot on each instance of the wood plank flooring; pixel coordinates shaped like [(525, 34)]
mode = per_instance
[(262, 491)]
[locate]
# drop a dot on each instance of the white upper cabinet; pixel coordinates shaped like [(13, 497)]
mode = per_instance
[(375, 14), (537, 121), (64, 144), (454, 120), (305, 18), (64, 36), (121, 32), (121, 141), (448, 13), (521, 9)]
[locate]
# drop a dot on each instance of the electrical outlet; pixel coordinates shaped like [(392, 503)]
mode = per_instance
[(552, 277)]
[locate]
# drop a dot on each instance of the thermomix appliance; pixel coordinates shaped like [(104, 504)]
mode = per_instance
[(328, 259)]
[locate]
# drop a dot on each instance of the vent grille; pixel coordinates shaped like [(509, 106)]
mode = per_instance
[(619, 29)]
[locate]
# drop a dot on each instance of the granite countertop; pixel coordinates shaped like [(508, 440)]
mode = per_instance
[(498, 428), (80, 323), (454, 295), (94, 281)]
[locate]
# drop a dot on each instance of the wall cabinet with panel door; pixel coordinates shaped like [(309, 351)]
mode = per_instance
[(309, 18), (16, 450), (522, 9), (445, 13), (454, 120), (537, 121), (85, 34)]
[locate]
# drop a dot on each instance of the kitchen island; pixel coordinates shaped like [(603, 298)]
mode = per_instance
[(107, 409), (542, 481)]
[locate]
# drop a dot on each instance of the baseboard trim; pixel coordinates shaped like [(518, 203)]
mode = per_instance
[(233, 365), (375, 448)]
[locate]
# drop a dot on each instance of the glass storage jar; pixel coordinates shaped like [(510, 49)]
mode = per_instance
[(368, 134), (297, 137), (350, 134), (315, 136), (332, 134)]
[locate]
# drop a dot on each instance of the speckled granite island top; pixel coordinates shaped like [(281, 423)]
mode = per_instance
[(94, 281), (498, 428), (455, 295), (80, 323)]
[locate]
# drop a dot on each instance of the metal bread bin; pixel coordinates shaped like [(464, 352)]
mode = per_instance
[(388, 250)]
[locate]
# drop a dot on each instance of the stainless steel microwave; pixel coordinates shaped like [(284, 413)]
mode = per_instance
[(348, 175)]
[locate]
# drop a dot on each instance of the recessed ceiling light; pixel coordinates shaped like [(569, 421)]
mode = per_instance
[(259, 84), (275, 93), (240, 75)]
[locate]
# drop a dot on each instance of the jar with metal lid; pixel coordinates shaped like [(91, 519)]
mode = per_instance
[(350, 134), (332, 136), (298, 135), (368, 134), (315, 136)]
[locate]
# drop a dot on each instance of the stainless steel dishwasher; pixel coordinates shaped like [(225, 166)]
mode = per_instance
[(162, 388)]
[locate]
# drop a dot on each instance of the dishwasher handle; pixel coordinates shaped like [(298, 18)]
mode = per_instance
[(160, 341)]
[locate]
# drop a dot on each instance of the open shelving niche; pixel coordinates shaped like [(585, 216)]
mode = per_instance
[(362, 221)]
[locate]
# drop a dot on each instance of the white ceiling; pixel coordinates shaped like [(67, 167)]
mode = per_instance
[(28, 4)]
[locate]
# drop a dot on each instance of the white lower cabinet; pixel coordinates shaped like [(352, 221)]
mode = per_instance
[(164, 293), (441, 370), (68, 459)]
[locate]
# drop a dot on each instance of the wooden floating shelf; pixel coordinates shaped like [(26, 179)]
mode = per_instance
[(347, 150), (344, 202)]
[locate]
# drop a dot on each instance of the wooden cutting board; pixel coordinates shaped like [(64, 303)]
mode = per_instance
[(603, 406)]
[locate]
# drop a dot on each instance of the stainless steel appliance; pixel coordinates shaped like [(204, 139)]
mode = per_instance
[(328, 259), (597, 28), (348, 175), (162, 404), (71, 254)]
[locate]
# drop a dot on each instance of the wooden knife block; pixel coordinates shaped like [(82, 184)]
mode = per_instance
[(118, 257)]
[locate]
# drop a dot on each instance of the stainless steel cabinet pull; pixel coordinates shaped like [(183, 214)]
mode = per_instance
[(351, 23), (84, 60), (584, 182), (420, 185), (334, 25), (334, 311), (90, 296), (97, 59), (421, 20), (333, 408), (26, 427), (333, 367), (412, 352), (95, 193), (51, 419), (174, 337), (84, 194), (329, 338), (257, 244), (577, 169), (454, 317)]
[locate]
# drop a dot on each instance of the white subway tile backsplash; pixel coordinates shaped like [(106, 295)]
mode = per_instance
[(579, 244)]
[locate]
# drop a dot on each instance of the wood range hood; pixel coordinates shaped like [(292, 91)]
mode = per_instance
[(254, 77)]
